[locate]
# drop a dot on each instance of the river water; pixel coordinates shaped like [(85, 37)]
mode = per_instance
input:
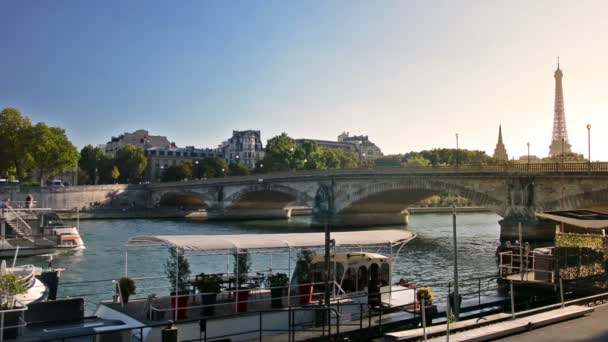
[(427, 260)]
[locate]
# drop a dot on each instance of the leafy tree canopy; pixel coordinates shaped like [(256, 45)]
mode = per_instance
[(52, 151), (178, 172), (236, 169), (131, 161)]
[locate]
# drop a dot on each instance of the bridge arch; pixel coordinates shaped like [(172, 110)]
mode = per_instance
[(578, 201), (182, 199), (396, 195), (267, 196)]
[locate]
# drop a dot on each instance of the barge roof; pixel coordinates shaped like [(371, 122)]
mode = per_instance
[(387, 237)]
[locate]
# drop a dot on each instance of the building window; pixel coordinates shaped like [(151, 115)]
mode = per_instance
[(169, 153), (161, 153)]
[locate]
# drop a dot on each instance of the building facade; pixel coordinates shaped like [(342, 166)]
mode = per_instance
[(139, 138), (160, 158), (328, 144), (366, 149), (244, 147)]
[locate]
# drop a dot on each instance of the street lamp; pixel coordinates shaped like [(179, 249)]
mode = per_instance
[(589, 142), (528, 144), (223, 172), (198, 170)]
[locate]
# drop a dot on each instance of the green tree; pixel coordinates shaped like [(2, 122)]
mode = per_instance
[(115, 173), (280, 154), (388, 161), (52, 151), (236, 169), (178, 172), (90, 162), (213, 166), (131, 161), (15, 143), (417, 161)]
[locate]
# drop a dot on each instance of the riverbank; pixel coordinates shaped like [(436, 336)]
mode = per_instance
[(437, 210)]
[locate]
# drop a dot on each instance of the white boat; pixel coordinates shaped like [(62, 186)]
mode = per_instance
[(359, 281), (36, 289), (46, 234)]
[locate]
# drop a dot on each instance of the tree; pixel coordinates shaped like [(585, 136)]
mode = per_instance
[(236, 169), (115, 173), (52, 151), (131, 161), (90, 162), (280, 153), (15, 142), (213, 166), (417, 161), (178, 172)]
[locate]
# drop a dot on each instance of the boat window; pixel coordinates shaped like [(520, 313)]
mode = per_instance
[(362, 278), (349, 284), (318, 274), (385, 274)]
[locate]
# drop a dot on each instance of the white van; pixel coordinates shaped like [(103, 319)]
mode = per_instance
[(57, 183)]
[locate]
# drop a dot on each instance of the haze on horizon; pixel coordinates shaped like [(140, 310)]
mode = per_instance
[(408, 74)]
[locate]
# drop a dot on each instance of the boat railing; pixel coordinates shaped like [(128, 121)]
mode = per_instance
[(528, 266), (20, 311), (28, 278), (233, 299)]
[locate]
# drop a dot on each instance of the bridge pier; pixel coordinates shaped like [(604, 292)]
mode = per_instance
[(532, 230)]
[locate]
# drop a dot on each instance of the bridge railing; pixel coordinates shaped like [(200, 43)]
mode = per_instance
[(558, 168)]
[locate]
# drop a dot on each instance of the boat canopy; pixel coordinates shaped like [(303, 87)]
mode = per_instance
[(268, 241), (578, 218)]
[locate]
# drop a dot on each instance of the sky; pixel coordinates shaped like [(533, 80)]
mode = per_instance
[(410, 74)]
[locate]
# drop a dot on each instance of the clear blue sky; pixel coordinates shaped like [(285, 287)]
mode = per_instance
[(410, 74)]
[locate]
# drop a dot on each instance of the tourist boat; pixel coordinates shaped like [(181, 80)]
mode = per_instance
[(45, 234), (359, 281)]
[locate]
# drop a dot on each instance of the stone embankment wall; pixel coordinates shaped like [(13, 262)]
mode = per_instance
[(72, 197)]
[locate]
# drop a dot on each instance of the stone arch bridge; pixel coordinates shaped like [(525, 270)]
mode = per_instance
[(379, 196)]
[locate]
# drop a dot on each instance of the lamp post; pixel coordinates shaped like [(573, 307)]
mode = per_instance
[(198, 170), (457, 151), (456, 302), (589, 142)]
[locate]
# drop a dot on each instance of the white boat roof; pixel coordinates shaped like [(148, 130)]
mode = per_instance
[(268, 241), (579, 218)]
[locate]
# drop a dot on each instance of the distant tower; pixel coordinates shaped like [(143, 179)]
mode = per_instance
[(500, 152), (559, 141)]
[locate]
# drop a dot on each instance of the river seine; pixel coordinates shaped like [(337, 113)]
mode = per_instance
[(427, 260)]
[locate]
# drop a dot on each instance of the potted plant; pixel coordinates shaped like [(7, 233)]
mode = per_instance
[(10, 286), (127, 288), (177, 269), (277, 283), (242, 266), (208, 287), (304, 275), (424, 296)]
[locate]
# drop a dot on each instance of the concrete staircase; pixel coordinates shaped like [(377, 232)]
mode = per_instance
[(21, 228)]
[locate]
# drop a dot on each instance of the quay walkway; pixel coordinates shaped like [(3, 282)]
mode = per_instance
[(590, 328)]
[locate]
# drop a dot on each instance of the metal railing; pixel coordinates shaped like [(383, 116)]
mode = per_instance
[(527, 266), (535, 168), (20, 322)]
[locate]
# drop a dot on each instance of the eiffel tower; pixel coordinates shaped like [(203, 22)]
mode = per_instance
[(559, 141)]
